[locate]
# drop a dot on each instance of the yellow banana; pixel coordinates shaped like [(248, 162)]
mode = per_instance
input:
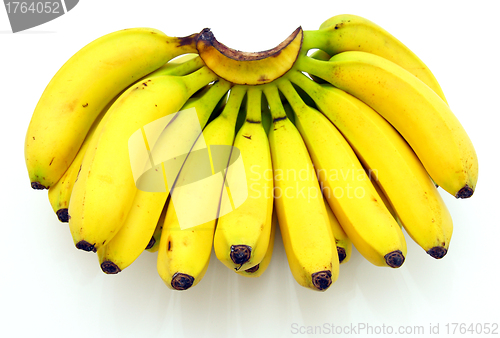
[(417, 113), (142, 220), (242, 236), (307, 235), (80, 90), (347, 188), (347, 32), (391, 163), (258, 269), (60, 192), (184, 252), (105, 188)]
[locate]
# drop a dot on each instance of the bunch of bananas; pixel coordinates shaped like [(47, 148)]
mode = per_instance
[(343, 136)]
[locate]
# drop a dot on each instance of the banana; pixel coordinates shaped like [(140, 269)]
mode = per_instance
[(242, 236), (307, 235), (418, 114), (134, 235), (348, 32), (258, 269), (105, 188), (344, 244), (138, 229), (184, 252), (80, 90), (391, 163), (60, 193), (347, 188), (248, 68)]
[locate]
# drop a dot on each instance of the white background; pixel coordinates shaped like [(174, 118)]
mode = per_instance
[(49, 287)]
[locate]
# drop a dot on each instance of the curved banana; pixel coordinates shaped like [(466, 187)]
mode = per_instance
[(105, 188), (347, 32), (184, 251), (347, 188), (344, 244), (60, 192), (242, 236), (258, 269), (391, 163), (417, 113), (80, 90), (138, 229), (307, 235), (248, 68)]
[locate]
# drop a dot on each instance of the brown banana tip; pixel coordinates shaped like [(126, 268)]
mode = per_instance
[(110, 268), (151, 243), (240, 254), (38, 186), (86, 246), (394, 259), (465, 192), (182, 281), (62, 215), (341, 253), (322, 279), (253, 269), (437, 252)]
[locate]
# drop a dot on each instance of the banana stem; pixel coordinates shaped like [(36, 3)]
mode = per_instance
[(207, 103), (234, 102), (319, 68), (292, 96), (276, 106), (197, 80), (314, 39), (312, 88), (182, 69), (185, 45), (254, 105)]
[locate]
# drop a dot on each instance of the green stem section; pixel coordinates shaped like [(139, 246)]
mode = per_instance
[(254, 105), (273, 98), (298, 105), (234, 102), (313, 89), (319, 68), (180, 69), (197, 80), (206, 103), (315, 39)]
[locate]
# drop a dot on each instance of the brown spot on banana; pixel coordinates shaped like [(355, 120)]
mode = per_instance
[(248, 68)]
